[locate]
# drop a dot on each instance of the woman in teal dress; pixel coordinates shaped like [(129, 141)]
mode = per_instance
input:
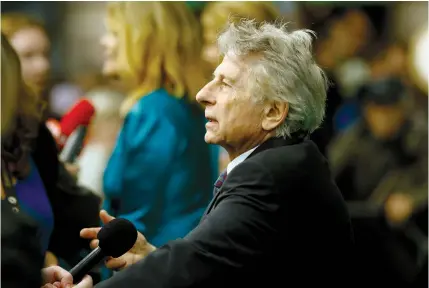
[(161, 172)]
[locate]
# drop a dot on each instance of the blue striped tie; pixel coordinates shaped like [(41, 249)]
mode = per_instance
[(219, 182)]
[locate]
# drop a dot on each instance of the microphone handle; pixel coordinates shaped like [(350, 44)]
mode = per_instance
[(86, 264), (73, 145)]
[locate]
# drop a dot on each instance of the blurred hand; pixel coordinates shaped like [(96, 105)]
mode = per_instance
[(140, 249), (72, 168), (85, 283), (56, 276), (398, 208)]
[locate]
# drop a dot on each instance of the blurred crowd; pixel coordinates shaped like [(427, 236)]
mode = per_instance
[(159, 54)]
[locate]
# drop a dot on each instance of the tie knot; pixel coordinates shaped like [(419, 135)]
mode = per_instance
[(221, 179)]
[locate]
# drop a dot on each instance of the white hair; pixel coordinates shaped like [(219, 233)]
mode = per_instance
[(286, 72)]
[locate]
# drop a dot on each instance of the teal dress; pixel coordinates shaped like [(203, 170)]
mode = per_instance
[(161, 173)]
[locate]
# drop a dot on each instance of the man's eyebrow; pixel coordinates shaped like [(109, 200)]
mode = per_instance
[(224, 78)]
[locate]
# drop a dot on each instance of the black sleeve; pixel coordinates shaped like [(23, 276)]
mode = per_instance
[(237, 232), (21, 256), (74, 207)]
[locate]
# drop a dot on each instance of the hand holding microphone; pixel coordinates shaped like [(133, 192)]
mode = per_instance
[(140, 249), (114, 239), (57, 277)]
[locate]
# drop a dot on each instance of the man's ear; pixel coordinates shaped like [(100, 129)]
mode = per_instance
[(274, 115)]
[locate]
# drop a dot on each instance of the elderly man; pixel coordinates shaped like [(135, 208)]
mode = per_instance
[(277, 218)]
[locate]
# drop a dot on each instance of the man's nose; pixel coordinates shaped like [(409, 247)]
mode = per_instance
[(205, 96)]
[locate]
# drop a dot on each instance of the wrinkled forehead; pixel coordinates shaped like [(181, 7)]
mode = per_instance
[(236, 67)]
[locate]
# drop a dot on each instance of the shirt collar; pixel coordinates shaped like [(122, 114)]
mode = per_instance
[(238, 160)]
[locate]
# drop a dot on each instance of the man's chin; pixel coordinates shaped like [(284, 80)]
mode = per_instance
[(209, 138)]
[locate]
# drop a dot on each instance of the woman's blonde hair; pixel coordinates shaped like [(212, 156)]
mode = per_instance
[(14, 22), (219, 13), (159, 47)]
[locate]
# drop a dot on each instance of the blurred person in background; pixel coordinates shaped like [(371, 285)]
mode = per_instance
[(382, 162), (39, 184), (324, 55), (214, 19), (30, 40), (350, 35), (216, 15), (160, 175)]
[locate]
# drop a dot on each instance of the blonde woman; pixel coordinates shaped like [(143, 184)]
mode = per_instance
[(160, 171)]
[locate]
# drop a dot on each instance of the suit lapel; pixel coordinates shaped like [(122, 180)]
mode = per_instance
[(209, 208), (269, 144)]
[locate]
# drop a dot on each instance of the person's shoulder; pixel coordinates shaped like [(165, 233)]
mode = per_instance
[(158, 103), (289, 157), (159, 98), (291, 165)]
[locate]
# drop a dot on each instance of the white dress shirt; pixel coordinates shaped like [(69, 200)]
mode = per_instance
[(238, 160)]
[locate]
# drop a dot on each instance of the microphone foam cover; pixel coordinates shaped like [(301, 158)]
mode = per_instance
[(117, 237)]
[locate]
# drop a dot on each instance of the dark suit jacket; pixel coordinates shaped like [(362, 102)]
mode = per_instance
[(278, 220)]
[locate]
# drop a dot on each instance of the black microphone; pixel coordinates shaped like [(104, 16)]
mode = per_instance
[(115, 239)]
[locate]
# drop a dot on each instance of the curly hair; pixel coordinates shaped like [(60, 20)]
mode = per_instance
[(23, 110), (287, 71)]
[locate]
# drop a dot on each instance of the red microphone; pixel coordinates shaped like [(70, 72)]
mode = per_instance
[(74, 127), (79, 115)]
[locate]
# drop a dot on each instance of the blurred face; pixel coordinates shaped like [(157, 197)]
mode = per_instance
[(33, 47), (358, 26), (110, 44), (384, 121), (396, 61), (234, 120)]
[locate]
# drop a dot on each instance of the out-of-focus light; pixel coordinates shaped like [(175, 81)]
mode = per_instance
[(420, 60)]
